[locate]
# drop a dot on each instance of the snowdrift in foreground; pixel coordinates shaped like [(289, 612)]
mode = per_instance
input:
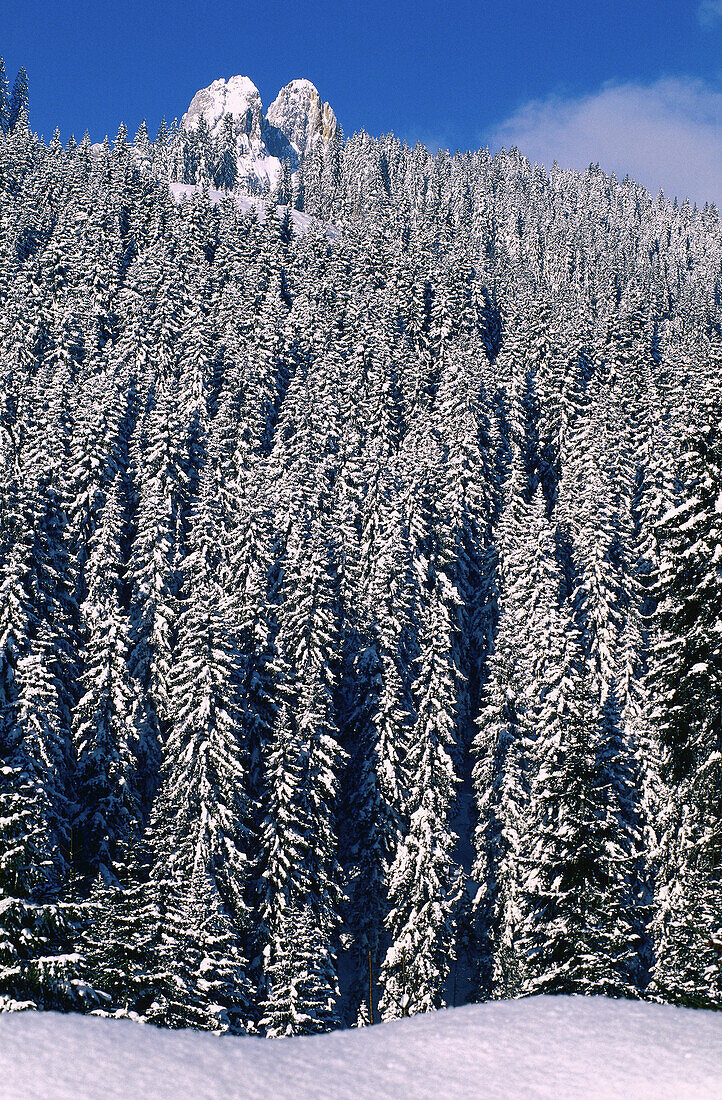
[(540, 1047)]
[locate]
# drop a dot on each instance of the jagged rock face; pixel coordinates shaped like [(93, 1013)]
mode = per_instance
[(301, 116), (296, 121), (238, 97)]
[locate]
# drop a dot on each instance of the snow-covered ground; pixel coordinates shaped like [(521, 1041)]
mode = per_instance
[(245, 203), (553, 1047)]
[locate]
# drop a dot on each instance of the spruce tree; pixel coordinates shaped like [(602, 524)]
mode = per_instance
[(308, 656), (19, 105), (578, 930), (4, 100), (199, 826), (106, 785), (687, 682), (425, 882)]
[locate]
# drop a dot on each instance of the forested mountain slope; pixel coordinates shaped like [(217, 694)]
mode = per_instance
[(361, 591)]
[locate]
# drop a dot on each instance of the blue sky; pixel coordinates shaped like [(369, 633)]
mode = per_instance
[(635, 84)]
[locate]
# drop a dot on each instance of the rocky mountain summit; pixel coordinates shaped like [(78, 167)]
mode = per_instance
[(295, 123), (237, 98), (302, 117)]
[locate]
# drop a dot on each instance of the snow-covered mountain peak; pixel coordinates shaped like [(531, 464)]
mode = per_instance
[(300, 114), (238, 97), (232, 115)]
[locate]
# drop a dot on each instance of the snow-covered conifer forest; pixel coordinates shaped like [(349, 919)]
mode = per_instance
[(361, 576)]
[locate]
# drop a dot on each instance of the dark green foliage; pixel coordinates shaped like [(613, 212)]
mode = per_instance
[(19, 105), (687, 683), (4, 100)]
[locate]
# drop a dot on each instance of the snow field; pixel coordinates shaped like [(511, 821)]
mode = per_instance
[(540, 1047)]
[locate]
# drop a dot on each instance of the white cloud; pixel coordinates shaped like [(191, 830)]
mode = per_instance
[(709, 11), (667, 134)]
